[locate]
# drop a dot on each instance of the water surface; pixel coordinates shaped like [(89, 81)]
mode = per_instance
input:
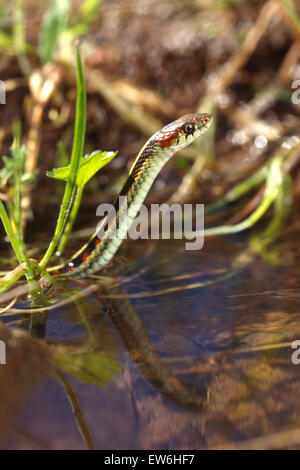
[(178, 350)]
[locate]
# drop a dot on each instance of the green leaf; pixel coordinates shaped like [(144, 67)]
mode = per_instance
[(88, 167), (90, 368)]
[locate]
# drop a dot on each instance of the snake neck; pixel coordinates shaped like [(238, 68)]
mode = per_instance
[(98, 252), (153, 156)]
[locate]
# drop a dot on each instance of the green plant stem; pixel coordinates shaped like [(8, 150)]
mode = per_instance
[(78, 142), (19, 159), (273, 186), (19, 249), (71, 220), (239, 190), (247, 223), (13, 238), (63, 215)]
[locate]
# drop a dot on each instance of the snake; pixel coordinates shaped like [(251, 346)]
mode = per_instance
[(156, 152)]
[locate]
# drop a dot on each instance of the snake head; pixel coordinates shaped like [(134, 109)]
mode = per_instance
[(180, 133)]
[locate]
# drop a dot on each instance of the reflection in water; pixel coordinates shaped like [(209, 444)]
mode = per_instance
[(143, 352), (196, 368)]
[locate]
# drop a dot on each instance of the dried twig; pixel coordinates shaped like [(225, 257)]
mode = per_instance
[(42, 84), (220, 81)]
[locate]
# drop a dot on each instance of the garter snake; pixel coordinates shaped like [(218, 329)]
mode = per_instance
[(156, 152)]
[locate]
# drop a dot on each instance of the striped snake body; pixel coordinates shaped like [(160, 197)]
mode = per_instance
[(152, 157)]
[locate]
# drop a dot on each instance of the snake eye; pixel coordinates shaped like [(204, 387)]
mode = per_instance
[(189, 128)]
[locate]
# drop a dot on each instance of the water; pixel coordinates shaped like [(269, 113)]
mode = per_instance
[(153, 360)]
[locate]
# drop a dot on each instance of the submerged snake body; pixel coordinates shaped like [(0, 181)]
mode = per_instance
[(152, 157)]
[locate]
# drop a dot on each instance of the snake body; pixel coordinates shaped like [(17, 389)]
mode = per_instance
[(152, 157)]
